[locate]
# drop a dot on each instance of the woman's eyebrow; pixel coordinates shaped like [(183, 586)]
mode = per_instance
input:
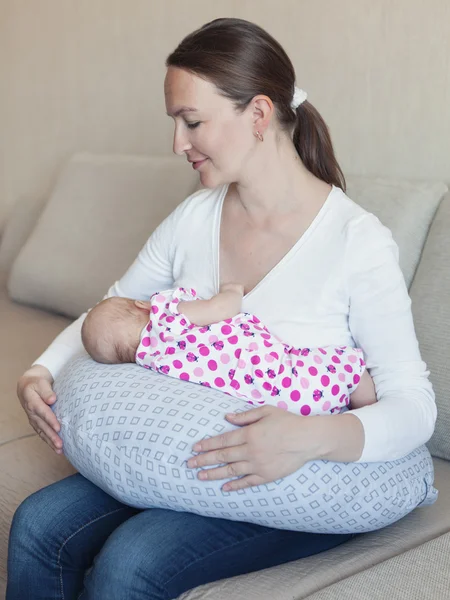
[(181, 110)]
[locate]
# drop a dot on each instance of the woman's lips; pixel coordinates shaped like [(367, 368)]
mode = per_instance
[(198, 163)]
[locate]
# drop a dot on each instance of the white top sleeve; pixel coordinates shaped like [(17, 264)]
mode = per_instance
[(381, 323), (150, 272)]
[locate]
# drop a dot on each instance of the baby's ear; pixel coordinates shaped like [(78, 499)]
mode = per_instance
[(143, 305)]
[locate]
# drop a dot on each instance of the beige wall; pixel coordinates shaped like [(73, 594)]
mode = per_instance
[(88, 75)]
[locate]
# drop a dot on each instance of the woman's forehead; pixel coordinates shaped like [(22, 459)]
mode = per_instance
[(183, 89)]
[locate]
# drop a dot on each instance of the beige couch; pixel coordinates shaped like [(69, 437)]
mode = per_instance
[(62, 254)]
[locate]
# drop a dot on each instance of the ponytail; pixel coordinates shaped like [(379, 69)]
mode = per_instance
[(313, 144)]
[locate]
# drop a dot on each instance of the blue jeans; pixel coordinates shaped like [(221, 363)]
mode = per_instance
[(73, 541)]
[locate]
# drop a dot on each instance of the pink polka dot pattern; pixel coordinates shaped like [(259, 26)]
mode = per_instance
[(242, 358), (295, 396)]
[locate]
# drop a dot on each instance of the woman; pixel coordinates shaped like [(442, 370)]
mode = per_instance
[(312, 265)]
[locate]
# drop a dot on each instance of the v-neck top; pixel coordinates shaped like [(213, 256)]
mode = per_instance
[(340, 284), (217, 221)]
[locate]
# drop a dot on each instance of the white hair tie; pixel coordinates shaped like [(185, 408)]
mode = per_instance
[(298, 98)]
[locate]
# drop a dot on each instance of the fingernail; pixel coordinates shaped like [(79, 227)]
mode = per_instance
[(196, 447)]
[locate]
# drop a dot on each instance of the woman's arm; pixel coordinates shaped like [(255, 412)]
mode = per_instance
[(381, 323)]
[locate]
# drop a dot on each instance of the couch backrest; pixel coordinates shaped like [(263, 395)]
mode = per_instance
[(406, 207), (430, 294), (419, 218)]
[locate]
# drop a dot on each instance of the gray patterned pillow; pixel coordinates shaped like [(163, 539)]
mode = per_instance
[(130, 431)]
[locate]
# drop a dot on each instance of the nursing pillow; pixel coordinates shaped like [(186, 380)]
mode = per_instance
[(131, 430)]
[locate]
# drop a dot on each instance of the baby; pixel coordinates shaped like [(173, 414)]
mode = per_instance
[(212, 343)]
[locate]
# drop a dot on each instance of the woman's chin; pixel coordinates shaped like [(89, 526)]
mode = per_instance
[(208, 181), (212, 180)]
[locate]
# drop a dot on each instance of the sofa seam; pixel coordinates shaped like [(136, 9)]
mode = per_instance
[(22, 437)]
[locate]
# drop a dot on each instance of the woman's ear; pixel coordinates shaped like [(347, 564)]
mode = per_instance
[(262, 111), (143, 305)]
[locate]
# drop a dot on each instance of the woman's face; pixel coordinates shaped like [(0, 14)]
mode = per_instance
[(213, 132)]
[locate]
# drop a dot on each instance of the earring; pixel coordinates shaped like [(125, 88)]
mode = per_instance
[(259, 136)]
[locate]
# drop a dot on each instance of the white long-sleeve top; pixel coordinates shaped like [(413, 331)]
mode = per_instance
[(339, 284)]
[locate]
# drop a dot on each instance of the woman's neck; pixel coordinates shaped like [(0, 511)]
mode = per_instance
[(277, 183)]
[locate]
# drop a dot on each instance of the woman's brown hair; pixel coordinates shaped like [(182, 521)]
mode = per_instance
[(242, 60)]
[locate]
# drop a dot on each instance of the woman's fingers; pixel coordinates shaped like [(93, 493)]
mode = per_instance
[(45, 391), (48, 396), (243, 482), (42, 418), (42, 396), (231, 470), (47, 434), (241, 470), (233, 454), (224, 440), (35, 393)]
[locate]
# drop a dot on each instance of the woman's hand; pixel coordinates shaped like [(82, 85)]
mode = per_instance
[(267, 449), (35, 393)]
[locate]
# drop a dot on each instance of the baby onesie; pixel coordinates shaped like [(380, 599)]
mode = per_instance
[(240, 357)]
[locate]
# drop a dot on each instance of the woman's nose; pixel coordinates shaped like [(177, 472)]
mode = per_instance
[(180, 141)]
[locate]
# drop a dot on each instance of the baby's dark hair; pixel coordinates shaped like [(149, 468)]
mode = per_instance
[(107, 346)]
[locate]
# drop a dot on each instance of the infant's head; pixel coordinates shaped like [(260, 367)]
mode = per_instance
[(112, 329)]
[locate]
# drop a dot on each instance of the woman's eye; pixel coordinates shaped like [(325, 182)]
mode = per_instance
[(192, 125)]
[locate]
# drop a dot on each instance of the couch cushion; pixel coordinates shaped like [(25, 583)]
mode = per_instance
[(26, 465), (98, 217), (430, 295), (298, 579), (420, 574), (17, 323), (406, 207)]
